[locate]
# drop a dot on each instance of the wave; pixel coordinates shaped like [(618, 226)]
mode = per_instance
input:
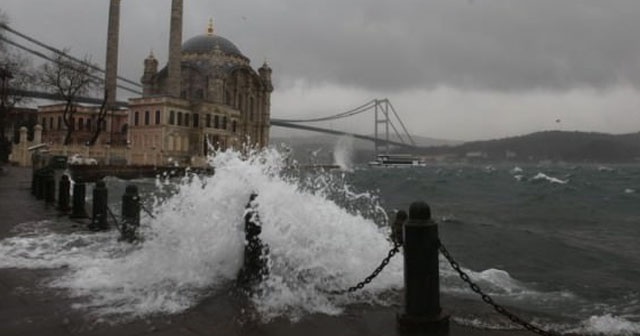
[(195, 246), (544, 177)]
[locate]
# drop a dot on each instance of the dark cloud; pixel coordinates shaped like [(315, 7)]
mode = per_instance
[(378, 44)]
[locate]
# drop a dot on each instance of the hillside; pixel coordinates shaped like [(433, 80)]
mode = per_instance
[(551, 145)]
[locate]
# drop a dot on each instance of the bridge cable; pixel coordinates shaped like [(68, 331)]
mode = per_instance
[(360, 109), (41, 55), (62, 53), (401, 123)]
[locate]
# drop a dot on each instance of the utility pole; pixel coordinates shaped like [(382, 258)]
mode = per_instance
[(5, 77)]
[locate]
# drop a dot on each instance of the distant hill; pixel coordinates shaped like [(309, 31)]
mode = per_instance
[(551, 145)]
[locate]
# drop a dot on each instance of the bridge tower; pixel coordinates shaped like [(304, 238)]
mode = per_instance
[(381, 125), (383, 113)]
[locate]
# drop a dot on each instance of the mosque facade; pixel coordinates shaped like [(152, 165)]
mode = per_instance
[(206, 97)]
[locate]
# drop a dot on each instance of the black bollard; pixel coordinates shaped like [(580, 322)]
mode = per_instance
[(100, 199), (130, 214), (34, 180), (254, 268), (49, 183), (79, 193), (421, 275), (64, 187), (39, 185)]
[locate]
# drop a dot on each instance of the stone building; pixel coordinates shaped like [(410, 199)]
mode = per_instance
[(84, 122), (206, 95)]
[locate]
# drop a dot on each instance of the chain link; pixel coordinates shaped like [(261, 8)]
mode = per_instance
[(146, 210), (487, 299), (115, 220), (395, 249)]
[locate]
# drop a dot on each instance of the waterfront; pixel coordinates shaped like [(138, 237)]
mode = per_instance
[(557, 248)]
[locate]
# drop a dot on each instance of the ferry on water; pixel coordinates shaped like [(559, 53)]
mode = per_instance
[(397, 160)]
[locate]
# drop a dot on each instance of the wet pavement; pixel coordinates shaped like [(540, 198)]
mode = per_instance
[(29, 308)]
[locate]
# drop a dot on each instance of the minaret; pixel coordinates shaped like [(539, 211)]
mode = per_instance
[(111, 72), (265, 119), (175, 50), (150, 70)]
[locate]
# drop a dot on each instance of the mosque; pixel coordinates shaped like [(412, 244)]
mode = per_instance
[(207, 95)]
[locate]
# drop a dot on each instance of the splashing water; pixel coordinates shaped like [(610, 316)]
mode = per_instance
[(194, 246), (343, 153)]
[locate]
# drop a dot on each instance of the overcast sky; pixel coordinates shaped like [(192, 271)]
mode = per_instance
[(453, 69)]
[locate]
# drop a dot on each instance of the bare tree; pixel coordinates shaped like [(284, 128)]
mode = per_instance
[(100, 121), (70, 80), (16, 73)]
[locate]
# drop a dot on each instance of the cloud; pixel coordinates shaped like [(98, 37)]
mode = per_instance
[(459, 68)]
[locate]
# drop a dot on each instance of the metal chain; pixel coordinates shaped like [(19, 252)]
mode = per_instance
[(487, 299), (115, 220), (146, 210), (395, 249)]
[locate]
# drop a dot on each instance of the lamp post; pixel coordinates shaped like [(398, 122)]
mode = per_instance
[(5, 76)]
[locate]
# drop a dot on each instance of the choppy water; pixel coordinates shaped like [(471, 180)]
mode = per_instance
[(557, 244)]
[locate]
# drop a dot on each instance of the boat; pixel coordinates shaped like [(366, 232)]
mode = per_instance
[(397, 160)]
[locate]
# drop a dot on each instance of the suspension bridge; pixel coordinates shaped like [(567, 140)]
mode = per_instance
[(388, 131)]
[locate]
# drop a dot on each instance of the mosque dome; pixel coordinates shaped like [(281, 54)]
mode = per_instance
[(204, 44)]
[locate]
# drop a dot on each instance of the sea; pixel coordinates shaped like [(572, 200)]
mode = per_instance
[(554, 243)]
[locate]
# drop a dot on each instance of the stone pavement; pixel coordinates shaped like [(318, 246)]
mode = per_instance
[(28, 308)]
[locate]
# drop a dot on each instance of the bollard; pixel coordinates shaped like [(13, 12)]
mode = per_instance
[(130, 214), (78, 206), (100, 199), (422, 310), (39, 187), (34, 180), (49, 186), (64, 187), (254, 268)]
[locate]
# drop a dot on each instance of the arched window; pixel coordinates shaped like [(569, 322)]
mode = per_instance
[(179, 118), (44, 124), (224, 123), (216, 121), (233, 126), (88, 124), (157, 117), (136, 118), (80, 124), (196, 120), (186, 120), (208, 120), (146, 117), (172, 118)]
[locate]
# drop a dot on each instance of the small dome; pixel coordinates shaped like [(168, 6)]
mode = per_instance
[(208, 43)]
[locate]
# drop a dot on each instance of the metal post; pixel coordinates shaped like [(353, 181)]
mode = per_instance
[(79, 193), (130, 214), (255, 267), (100, 198), (49, 183), (422, 310), (64, 187), (39, 188)]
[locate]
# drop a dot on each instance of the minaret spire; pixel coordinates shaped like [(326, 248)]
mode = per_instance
[(210, 27)]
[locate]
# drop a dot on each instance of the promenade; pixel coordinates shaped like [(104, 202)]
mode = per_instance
[(29, 308)]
